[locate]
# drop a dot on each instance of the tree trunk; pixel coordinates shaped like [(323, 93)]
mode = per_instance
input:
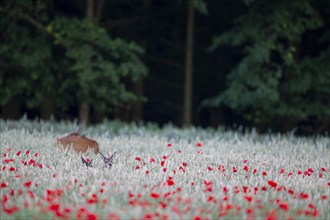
[(99, 10), (84, 108), (84, 113), (137, 114), (47, 108), (90, 8), (12, 110), (138, 106), (188, 79)]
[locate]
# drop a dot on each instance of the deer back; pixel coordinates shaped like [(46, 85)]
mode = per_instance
[(79, 143)]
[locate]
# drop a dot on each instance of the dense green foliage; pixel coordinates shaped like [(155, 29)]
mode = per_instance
[(276, 78), (53, 56)]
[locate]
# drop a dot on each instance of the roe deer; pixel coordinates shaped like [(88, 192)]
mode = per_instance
[(79, 142)]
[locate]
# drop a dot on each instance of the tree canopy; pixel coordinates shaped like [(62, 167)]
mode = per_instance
[(203, 62)]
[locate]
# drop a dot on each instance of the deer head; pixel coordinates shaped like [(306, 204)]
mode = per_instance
[(87, 163), (108, 160)]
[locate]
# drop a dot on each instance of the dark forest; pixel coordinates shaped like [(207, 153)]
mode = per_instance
[(208, 63)]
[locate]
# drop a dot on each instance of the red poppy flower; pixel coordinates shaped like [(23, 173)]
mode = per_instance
[(163, 205), (284, 206), (91, 216), (3, 185), (249, 210), (323, 169), (290, 191), (197, 217), (54, 207), (304, 195), (310, 170), (18, 153), (27, 152), (282, 170), (11, 210), (170, 182), (152, 160), (272, 183), (4, 199), (184, 164), (254, 171), (248, 198), (310, 205), (93, 199), (147, 216), (27, 184), (208, 183), (165, 157), (272, 215), (137, 158), (221, 168), (30, 194), (12, 169), (154, 195), (209, 168), (169, 145), (67, 210), (162, 163), (199, 144), (264, 173), (246, 168)]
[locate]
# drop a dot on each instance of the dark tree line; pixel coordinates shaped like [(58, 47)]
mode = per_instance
[(190, 62)]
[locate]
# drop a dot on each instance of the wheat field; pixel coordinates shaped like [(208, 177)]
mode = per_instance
[(162, 173)]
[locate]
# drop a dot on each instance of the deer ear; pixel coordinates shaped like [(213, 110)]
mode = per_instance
[(113, 155), (102, 156), (83, 160)]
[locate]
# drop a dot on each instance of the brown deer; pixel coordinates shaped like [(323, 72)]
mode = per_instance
[(78, 141)]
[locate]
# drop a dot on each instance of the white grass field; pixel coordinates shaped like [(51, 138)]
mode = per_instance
[(162, 174)]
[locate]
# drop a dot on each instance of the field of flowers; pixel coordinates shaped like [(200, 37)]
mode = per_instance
[(164, 173)]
